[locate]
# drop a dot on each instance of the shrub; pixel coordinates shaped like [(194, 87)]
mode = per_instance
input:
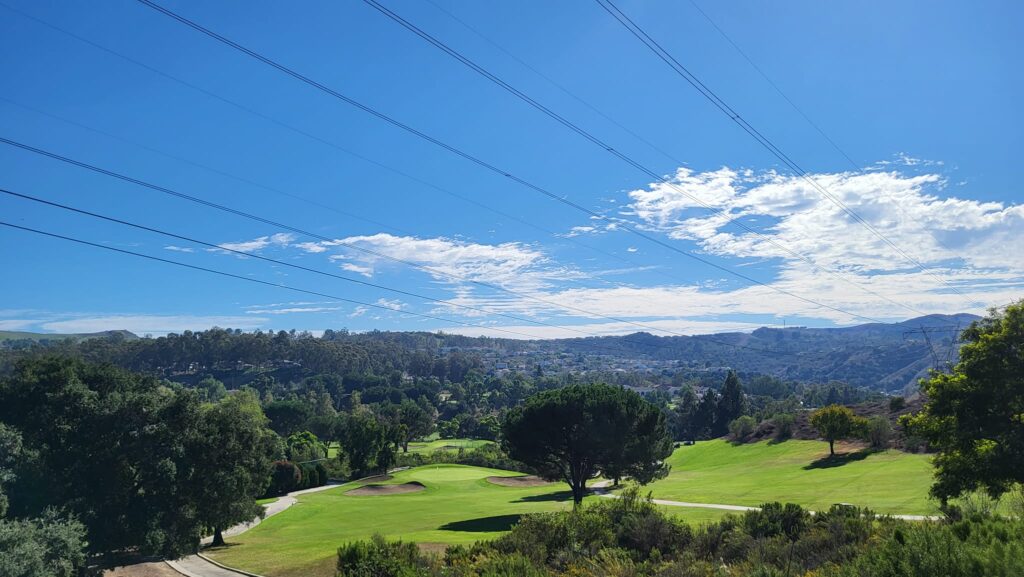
[(285, 477), (740, 428), (878, 432), (897, 404), (380, 558), (784, 423)]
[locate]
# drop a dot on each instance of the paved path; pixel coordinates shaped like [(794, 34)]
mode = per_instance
[(601, 490), (200, 566)]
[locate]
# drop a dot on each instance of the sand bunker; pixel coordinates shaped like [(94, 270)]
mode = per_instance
[(522, 481), (412, 487)]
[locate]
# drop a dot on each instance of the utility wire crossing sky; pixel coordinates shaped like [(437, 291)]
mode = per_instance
[(527, 171)]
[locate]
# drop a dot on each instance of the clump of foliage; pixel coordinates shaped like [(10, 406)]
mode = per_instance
[(631, 537), (742, 427), (973, 415), (574, 433), (836, 422), (143, 467)]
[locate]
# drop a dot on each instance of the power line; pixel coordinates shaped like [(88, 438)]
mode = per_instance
[(607, 147), (305, 134), (311, 234), (254, 280), (249, 254), (806, 118), (476, 160), (681, 70), (321, 294)]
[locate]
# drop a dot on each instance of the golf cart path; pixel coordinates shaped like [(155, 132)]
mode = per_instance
[(601, 490), (201, 566)]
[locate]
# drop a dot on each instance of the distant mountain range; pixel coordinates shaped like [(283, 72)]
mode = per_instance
[(43, 337), (886, 357), (878, 356)]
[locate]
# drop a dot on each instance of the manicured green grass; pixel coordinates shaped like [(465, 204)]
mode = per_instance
[(796, 471), (459, 505), (446, 445)]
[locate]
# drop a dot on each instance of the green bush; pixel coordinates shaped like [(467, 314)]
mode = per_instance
[(784, 423), (741, 427), (380, 558), (285, 477), (878, 432)]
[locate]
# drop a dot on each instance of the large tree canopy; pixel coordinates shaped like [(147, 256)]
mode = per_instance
[(577, 432), (142, 466), (974, 415)]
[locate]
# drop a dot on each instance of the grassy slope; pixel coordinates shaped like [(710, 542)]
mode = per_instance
[(458, 506), (751, 474), (446, 444)]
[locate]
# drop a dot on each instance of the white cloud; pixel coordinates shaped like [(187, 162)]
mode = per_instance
[(280, 239), (358, 312), (17, 324), (391, 303), (292, 310), (151, 324), (366, 271), (179, 248), (451, 261)]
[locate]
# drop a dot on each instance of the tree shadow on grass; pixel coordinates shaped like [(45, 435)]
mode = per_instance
[(483, 524), (838, 460), (545, 497)]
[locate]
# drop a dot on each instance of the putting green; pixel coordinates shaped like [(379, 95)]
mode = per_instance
[(458, 505), (798, 472)]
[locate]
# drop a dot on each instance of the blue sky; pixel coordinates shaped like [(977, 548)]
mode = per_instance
[(923, 96)]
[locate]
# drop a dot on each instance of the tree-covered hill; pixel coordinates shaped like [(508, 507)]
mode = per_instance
[(884, 357)]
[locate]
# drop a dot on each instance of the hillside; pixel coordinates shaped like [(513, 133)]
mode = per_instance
[(884, 357), (878, 356), (45, 337)]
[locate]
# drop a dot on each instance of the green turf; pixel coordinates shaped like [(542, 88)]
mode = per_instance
[(794, 471), (458, 506), (446, 445)]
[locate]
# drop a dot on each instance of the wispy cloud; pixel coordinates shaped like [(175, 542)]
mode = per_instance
[(280, 239), (151, 324)]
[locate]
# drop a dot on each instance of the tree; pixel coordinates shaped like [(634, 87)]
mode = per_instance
[(48, 546), (731, 404), (211, 389), (362, 440), (232, 460), (417, 421), (305, 446), (878, 431), (576, 432), (98, 434), (834, 422), (287, 417), (972, 415)]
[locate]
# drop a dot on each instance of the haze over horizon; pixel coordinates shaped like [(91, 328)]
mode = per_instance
[(192, 115)]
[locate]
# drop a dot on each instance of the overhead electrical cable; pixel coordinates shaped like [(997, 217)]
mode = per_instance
[(312, 137), (397, 309), (615, 152), (857, 167), (298, 230), (482, 163), (696, 83)]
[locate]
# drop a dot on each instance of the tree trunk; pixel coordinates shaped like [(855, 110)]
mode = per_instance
[(218, 538), (405, 447), (579, 489), (616, 481), (832, 448)]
